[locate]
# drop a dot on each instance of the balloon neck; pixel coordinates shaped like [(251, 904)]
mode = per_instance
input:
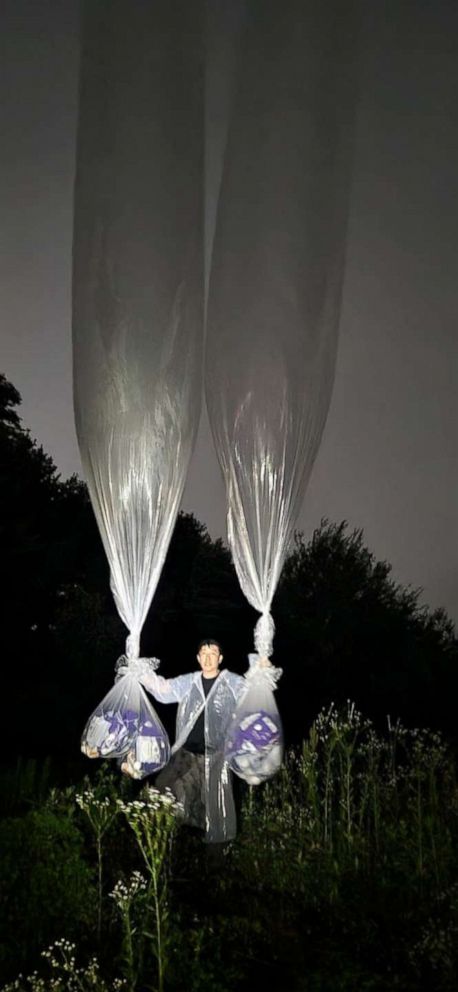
[(264, 635), (133, 647)]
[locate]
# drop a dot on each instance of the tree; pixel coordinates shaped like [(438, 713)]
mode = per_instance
[(48, 541), (9, 399), (198, 596), (347, 630), (28, 487)]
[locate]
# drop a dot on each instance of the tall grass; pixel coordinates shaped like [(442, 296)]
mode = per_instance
[(353, 801), (356, 825)]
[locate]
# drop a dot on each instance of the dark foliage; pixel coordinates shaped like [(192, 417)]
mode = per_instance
[(348, 631), (344, 628), (276, 912), (46, 885), (324, 889)]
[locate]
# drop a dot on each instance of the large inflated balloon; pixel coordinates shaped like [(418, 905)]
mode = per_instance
[(137, 280), (276, 277)]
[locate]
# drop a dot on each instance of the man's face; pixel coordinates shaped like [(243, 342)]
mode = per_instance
[(209, 658)]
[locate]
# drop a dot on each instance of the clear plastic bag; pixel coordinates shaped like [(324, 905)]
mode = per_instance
[(125, 725), (254, 745)]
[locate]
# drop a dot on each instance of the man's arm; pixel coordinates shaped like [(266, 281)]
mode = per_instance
[(164, 690)]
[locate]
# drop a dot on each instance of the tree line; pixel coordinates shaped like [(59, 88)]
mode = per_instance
[(344, 628)]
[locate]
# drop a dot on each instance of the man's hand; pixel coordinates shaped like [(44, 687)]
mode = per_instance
[(264, 663)]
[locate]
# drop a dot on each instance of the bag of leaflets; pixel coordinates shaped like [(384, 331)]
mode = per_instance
[(125, 725), (254, 745)]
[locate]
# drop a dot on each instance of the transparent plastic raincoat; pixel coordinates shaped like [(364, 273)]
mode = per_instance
[(219, 706)]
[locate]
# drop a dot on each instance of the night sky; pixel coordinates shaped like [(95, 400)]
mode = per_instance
[(388, 460)]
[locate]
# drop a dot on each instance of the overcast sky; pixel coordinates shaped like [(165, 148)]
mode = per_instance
[(389, 456)]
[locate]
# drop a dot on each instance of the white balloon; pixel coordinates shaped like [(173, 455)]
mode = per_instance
[(276, 277), (137, 281)]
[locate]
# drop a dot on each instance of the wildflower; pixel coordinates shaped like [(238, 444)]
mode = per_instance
[(124, 894)]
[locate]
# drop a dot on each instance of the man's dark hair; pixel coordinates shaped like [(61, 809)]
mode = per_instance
[(209, 640)]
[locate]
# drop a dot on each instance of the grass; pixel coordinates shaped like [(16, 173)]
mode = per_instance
[(344, 876)]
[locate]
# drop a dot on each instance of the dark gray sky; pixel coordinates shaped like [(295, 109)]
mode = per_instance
[(389, 456)]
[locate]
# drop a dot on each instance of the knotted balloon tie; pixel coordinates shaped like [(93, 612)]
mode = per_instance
[(264, 634), (135, 666), (133, 646)]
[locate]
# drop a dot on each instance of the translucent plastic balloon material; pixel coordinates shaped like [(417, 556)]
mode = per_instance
[(126, 725), (254, 744), (137, 313), (219, 708), (276, 277), (137, 281)]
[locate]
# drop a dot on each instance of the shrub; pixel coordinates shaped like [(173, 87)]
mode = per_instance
[(46, 886)]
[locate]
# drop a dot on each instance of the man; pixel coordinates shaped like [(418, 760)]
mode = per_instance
[(198, 773)]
